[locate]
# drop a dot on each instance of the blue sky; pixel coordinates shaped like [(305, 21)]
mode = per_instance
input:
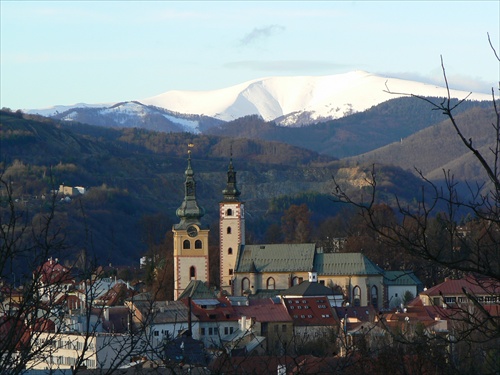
[(67, 52)]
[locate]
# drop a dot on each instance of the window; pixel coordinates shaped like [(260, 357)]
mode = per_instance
[(228, 230), (245, 284), (229, 212), (202, 331), (297, 280), (283, 328), (210, 331), (450, 300), (270, 283), (192, 272), (356, 294), (198, 244), (156, 333), (226, 330), (230, 330), (231, 271), (374, 296), (186, 244), (230, 250)]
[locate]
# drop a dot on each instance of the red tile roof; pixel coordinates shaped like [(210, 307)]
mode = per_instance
[(313, 311), (475, 286), (264, 310)]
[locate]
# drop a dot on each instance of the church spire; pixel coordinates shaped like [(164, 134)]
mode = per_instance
[(231, 192), (189, 212)]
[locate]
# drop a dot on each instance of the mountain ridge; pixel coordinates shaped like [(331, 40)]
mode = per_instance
[(289, 101)]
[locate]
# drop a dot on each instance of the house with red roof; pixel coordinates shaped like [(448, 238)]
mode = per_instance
[(459, 292), (311, 307), (52, 278), (263, 317)]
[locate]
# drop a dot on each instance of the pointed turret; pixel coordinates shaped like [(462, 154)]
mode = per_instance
[(231, 192), (189, 212)]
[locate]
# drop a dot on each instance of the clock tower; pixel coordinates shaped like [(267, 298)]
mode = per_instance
[(190, 238), (232, 230)]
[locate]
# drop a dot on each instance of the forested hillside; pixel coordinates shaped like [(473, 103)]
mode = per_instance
[(437, 148), (352, 135), (134, 180)]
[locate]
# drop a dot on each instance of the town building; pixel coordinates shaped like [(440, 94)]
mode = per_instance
[(263, 269), (190, 238)]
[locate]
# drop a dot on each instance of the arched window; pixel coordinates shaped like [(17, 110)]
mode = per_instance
[(230, 250), (356, 296), (229, 212), (374, 296), (245, 284), (186, 244), (270, 283), (228, 230), (192, 273), (198, 244)]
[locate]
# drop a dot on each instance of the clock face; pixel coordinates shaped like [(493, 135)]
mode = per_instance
[(192, 231)]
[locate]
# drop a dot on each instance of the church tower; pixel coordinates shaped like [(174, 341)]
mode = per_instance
[(232, 229), (190, 238)]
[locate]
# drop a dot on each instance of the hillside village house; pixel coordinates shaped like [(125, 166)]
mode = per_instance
[(98, 350), (400, 285), (454, 293)]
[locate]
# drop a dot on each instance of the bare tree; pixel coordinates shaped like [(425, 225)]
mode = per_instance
[(48, 308), (431, 231)]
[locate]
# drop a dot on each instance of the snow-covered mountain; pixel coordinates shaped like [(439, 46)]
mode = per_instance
[(135, 114), (300, 100), (289, 101)]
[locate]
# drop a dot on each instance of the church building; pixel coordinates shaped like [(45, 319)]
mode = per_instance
[(190, 238), (265, 269)]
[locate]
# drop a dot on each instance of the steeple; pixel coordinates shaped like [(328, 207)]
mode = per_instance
[(231, 192), (189, 212)]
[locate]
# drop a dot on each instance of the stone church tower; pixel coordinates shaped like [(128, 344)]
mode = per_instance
[(190, 238), (232, 230)]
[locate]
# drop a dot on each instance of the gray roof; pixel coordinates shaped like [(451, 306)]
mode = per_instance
[(163, 312), (401, 278), (197, 289), (345, 264), (308, 289), (277, 257)]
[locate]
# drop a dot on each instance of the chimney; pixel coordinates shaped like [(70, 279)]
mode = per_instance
[(313, 276)]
